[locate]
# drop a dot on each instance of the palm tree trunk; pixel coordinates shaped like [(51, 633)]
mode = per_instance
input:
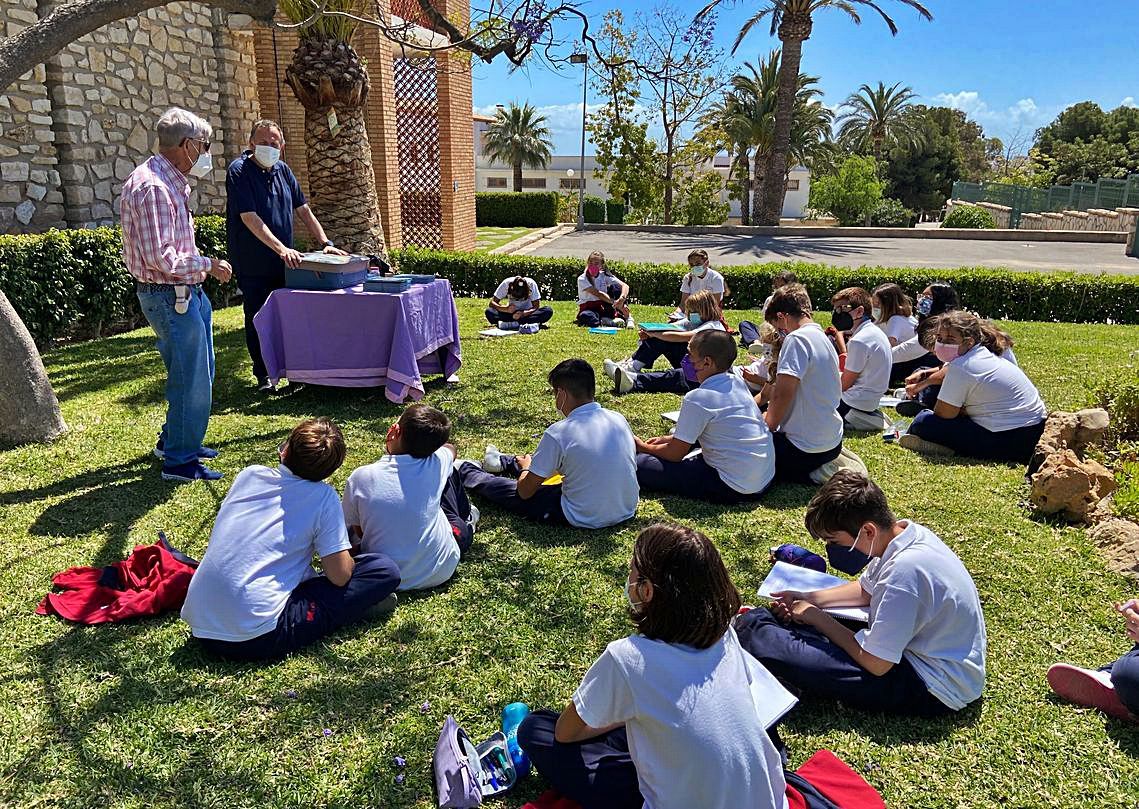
[(772, 206), (759, 170), (341, 180), (29, 411), (518, 176), (742, 167)]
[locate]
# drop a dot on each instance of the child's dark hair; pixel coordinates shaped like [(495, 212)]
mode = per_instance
[(422, 430), (996, 340), (783, 278), (718, 345), (518, 289), (694, 599), (315, 449), (574, 376), (943, 298), (790, 299), (845, 503), (853, 297)]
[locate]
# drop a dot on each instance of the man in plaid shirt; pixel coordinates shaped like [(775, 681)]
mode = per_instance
[(159, 248)]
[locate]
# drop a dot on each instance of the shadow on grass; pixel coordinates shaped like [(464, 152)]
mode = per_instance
[(817, 717)]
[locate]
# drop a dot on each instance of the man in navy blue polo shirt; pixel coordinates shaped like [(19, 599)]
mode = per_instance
[(262, 197)]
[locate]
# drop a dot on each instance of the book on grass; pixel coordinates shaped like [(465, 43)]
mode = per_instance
[(670, 415), (494, 331), (792, 577), (772, 701), (662, 326), (603, 330)]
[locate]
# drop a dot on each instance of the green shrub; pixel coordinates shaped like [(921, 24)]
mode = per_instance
[(615, 212), (996, 293), (594, 210), (73, 283), (851, 195), (1118, 394), (698, 201), (508, 209), (891, 213), (969, 216)]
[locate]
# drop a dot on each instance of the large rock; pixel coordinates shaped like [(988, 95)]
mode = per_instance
[(1069, 486), (1091, 424), (1074, 431), (1119, 541)]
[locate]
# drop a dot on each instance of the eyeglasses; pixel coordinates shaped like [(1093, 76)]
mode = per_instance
[(206, 143)]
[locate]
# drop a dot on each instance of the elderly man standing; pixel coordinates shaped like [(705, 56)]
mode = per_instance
[(158, 244), (262, 197)]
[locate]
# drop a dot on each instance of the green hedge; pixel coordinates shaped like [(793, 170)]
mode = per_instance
[(593, 210), (615, 212), (530, 209), (73, 283), (1002, 294)]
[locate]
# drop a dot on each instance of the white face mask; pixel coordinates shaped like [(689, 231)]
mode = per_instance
[(202, 166), (636, 605), (267, 156), (699, 270), (876, 313)]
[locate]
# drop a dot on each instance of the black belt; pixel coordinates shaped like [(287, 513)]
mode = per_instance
[(147, 286)]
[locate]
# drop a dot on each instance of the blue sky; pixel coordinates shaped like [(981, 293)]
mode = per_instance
[(1012, 65)]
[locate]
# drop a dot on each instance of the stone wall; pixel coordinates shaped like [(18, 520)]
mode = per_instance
[(76, 127), (1120, 220)]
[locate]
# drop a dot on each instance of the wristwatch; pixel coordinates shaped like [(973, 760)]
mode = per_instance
[(327, 243)]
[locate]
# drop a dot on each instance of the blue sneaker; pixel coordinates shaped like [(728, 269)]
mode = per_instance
[(188, 472), (204, 453)]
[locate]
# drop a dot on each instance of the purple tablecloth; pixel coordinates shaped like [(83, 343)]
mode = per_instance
[(355, 339)]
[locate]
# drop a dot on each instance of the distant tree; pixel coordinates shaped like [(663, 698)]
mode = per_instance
[(852, 194), (1085, 144), (518, 136), (950, 148), (877, 119)]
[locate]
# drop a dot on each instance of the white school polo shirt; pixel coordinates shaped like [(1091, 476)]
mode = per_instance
[(396, 502), (812, 423), (924, 607), (694, 733), (601, 283), (593, 449), (267, 531), (721, 415), (911, 349), (994, 392), (900, 328), (502, 292), (868, 354), (711, 281)]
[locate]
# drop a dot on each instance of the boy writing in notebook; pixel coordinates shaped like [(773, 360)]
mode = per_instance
[(410, 504), (591, 447)]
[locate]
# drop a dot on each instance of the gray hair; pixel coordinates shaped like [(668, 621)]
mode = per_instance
[(177, 124)]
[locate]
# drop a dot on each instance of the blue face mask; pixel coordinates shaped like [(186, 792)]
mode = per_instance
[(695, 319), (924, 305)]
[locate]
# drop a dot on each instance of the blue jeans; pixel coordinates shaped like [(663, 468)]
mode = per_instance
[(186, 343), (317, 608), (967, 437), (1125, 679)]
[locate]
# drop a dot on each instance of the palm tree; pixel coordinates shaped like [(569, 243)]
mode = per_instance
[(519, 137), (879, 118), (330, 80), (725, 118), (791, 21)]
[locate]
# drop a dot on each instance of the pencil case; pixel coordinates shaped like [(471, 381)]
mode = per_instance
[(465, 773)]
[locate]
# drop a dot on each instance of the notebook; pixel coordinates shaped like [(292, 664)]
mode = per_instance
[(603, 330), (671, 415), (661, 326), (791, 577), (494, 331)]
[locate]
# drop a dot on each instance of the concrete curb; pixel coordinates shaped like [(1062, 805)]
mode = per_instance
[(523, 244), (1088, 236)]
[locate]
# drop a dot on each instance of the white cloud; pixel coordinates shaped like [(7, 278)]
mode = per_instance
[(1128, 102), (1011, 121)]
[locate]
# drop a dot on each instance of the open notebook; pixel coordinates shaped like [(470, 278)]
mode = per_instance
[(791, 577)]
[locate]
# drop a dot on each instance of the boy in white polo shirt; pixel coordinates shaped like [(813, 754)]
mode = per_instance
[(869, 359), (518, 299), (737, 460), (802, 412), (591, 447), (410, 504), (255, 595), (922, 652)]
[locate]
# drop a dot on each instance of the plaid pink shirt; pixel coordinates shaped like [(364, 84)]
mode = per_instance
[(158, 230)]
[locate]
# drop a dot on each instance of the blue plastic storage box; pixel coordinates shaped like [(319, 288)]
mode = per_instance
[(320, 271)]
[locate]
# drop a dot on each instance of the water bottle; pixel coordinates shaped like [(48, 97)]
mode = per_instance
[(512, 716)]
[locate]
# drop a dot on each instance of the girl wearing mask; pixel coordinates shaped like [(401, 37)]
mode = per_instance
[(893, 312), (986, 407), (666, 718), (909, 355), (701, 277), (602, 296), (702, 313)]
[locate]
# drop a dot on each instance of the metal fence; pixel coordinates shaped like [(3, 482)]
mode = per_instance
[(1109, 194)]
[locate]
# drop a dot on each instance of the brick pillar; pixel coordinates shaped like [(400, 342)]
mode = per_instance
[(380, 118), (456, 140)]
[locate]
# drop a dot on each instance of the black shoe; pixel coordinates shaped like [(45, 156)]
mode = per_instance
[(290, 389), (264, 385), (909, 408)]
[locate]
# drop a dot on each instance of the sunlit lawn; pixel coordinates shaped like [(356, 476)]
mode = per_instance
[(487, 238)]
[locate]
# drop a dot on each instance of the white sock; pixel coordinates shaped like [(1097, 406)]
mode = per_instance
[(636, 365)]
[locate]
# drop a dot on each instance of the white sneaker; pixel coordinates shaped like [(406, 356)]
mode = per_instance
[(610, 368), (624, 380), (492, 460), (474, 520), (619, 322), (629, 324), (607, 322)]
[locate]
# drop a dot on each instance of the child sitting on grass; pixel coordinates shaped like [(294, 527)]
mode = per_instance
[(922, 652), (866, 369), (518, 299), (1114, 688), (665, 717), (700, 276), (255, 595), (410, 504), (591, 447), (737, 459), (628, 377), (602, 297)]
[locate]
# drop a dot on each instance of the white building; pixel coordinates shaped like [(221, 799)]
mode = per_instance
[(493, 176)]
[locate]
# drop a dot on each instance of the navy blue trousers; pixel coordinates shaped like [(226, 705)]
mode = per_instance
[(541, 315), (670, 381), (457, 509), (255, 290), (653, 348), (806, 660), (967, 437), (316, 609), (545, 506), (691, 477), (1125, 679), (793, 465)]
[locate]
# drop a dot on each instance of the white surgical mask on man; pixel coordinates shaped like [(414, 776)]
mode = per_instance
[(266, 156), (202, 166)]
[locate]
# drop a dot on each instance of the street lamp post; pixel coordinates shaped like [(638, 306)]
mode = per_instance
[(583, 60)]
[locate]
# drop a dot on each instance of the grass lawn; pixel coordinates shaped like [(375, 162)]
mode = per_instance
[(135, 716), (486, 239)]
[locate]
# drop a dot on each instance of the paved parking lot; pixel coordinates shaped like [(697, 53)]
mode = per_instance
[(848, 252)]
